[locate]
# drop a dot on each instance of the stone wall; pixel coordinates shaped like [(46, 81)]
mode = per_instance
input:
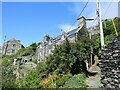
[(11, 46), (110, 65)]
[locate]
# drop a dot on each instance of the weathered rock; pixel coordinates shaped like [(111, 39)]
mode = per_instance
[(110, 65)]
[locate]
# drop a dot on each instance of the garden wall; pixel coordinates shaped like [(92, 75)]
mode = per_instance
[(110, 65)]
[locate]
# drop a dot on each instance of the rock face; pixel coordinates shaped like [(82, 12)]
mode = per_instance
[(110, 65)]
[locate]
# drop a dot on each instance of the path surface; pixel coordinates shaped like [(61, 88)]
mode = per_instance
[(94, 81)]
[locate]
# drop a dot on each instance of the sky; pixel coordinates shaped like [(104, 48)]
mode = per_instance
[(29, 22)]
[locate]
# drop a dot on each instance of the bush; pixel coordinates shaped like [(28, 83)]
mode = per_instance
[(77, 81), (100, 86), (8, 77), (63, 79), (29, 81), (49, 82), (41, 67), (109, 39)]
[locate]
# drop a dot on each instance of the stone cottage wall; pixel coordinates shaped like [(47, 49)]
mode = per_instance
[(110, 65)]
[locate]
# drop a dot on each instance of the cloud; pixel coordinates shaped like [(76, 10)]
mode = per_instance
[(66, 27)]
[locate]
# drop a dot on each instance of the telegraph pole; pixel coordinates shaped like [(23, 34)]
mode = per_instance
[(91, 49), (100, 25), (4, 47)]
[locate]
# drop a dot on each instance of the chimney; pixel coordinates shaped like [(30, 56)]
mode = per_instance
[(46, 38), (81, 22)]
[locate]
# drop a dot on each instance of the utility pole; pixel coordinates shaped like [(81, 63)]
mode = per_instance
[(100, 25), (4, 46), (91, 49)]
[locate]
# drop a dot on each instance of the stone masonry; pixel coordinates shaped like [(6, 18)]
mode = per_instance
[(11, 46), (110, 65)]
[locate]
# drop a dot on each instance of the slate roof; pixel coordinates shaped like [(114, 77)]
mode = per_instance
[(72, 32), (58, 38), (69, 34)]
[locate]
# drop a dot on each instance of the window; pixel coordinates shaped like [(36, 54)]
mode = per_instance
[(50, 42), (50, 51), (40, 53), (14, 45), (13, 50), (63, 37), (25, 61)]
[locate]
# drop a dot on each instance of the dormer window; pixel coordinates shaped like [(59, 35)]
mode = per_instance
[(63, 37), (14, 45)]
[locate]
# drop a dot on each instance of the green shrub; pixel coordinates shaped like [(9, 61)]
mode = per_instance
[(77, 81), (41, 67), (100, 86), (31, 80), (109, 39), (63, 79)]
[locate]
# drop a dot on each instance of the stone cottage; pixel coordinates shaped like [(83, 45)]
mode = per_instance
[(11, 46), (48, 44)]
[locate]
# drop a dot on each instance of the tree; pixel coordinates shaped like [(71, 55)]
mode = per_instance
[(69, 57), (33, 46), (108, 26)]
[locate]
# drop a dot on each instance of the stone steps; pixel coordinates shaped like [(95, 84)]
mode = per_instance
[(94, 81)]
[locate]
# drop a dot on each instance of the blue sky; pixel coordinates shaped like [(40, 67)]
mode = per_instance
[(29, 22)]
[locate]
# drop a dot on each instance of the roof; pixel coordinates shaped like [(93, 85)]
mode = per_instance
[(58, 38), (69, 34), (81, 17), (72, 32), (12, 40)]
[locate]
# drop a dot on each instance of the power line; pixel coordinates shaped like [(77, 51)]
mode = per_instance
[(103, 14), (94, 21), (107, 9), (80, 14)]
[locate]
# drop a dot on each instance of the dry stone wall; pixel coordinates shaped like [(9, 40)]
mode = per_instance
[(110, 65)]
